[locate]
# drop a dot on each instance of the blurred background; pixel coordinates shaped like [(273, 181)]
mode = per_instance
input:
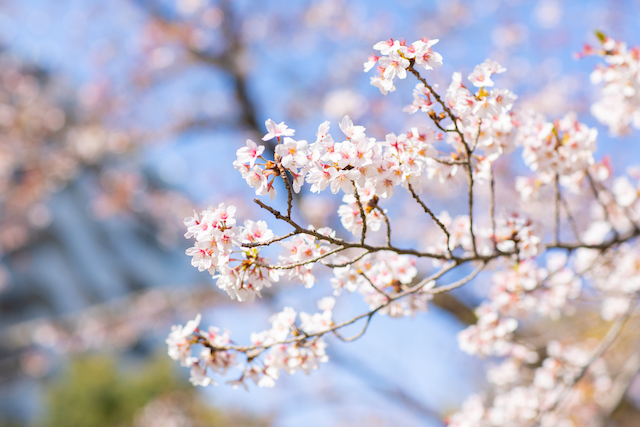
[(118, 118)]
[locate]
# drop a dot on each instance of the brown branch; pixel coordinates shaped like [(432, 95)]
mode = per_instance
[(345, 244), (352, 261), (449, 162), (442, 104), (572, 221), (373, 286), (299, 338), (617, 239), (475, 144), (359, 334), (270, 241), (300, 263), (435, 218), (287, 184), (459, 283), (386, 221), (470, 176), (363, 216), (468, 150), (596, 193)]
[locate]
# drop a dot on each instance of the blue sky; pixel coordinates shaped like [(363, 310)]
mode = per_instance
[(285, 67)]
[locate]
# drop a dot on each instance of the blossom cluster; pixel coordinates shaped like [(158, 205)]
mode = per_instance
[(483, 117), (216, 235), (528, 288), (563, 148), (361, 163), (180, 341), (231, 254), (379, 278), (617, 279), (518, 404), (396, 57), (350, 215), (353, 164), (284, 353), (514, 234), (301, 252), (524, 288), (625, 191), (475, 125), (619, 106)]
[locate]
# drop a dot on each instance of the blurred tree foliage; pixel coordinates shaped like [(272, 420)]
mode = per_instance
[(97, 392)]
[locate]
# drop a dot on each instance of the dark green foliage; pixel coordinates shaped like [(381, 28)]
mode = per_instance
[(95, 392)]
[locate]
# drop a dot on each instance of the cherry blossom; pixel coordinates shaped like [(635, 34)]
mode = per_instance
[(292, 153), (536, 258), (276, 130), (397, 57), (618, 106), (250, 153), (481, 75), (425, 56)]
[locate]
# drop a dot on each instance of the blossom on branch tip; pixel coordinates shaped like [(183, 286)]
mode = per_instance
[(178, 343), (396, 57), (481, 75), (250, 153), (276, 130), (425, 56), (618, 106), (394, 66), (422, 100), (383, 84), (349, 130), (387, 46), (293, 154), (373, 59)]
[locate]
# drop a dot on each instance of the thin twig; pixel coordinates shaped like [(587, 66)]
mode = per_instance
[(623, 208), (572, 221), (449, 162), (268, 242), (457, 284), (440, 101), (344, 264), (299, 338), (369, 248), (469, 151), (386, 221), (300, 263), (381, 292), (358, 335), (363, 216), (475, 143), (617, 239), (435, 218), (470, 176), (596, 193), (285, 178)]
